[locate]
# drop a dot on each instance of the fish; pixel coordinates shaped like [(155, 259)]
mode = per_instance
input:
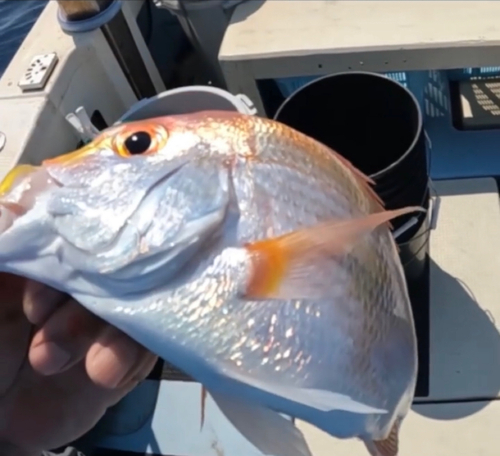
[(252, 257)]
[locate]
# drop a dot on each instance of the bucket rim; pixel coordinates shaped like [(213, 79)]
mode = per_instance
[(239, 102), (419, 130)]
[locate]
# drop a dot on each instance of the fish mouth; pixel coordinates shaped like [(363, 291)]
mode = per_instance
[(19, 191)]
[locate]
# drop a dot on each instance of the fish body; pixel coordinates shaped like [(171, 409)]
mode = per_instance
[(252, 257)]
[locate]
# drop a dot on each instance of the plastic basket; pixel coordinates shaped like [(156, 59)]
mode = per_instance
[(473, 73)]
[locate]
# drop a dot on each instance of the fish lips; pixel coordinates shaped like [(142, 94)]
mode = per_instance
[(19, 195)]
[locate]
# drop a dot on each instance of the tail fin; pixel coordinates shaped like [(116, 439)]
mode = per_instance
[(387, 447)]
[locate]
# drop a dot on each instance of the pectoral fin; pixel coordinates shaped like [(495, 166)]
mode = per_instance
[(283, 267), (271, 433)]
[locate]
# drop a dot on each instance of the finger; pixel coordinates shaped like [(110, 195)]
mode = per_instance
[(141, 370), (11, 288), (40, 301), (112, 359), (15, 330), (64, 339)]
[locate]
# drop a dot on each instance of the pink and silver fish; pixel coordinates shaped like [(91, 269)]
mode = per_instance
[(252, 257)]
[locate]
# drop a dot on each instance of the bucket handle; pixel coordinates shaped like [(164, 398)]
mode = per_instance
[(432, 212), (402, 229), (252, 110), (436, 202)]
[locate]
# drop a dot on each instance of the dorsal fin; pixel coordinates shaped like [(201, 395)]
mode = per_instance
[(364, 181)]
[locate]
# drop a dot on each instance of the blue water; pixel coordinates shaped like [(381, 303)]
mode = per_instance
[(16, 19)]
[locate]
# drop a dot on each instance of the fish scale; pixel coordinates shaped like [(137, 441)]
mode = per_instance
[(252, 257)]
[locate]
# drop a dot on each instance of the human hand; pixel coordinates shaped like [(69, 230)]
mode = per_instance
[(61, 368)]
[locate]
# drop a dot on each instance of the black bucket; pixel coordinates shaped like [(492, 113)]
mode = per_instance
[(375, 123)]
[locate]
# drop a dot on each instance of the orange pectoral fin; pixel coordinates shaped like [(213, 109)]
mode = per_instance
[(281, 267)]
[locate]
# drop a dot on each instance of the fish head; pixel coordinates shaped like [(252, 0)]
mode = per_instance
[(137, 200)]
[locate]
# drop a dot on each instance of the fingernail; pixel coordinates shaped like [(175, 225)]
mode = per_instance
[(49, 358), (110, 370)]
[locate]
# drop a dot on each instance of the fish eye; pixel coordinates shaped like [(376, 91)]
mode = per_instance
[(145, 139), (138, 143)]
